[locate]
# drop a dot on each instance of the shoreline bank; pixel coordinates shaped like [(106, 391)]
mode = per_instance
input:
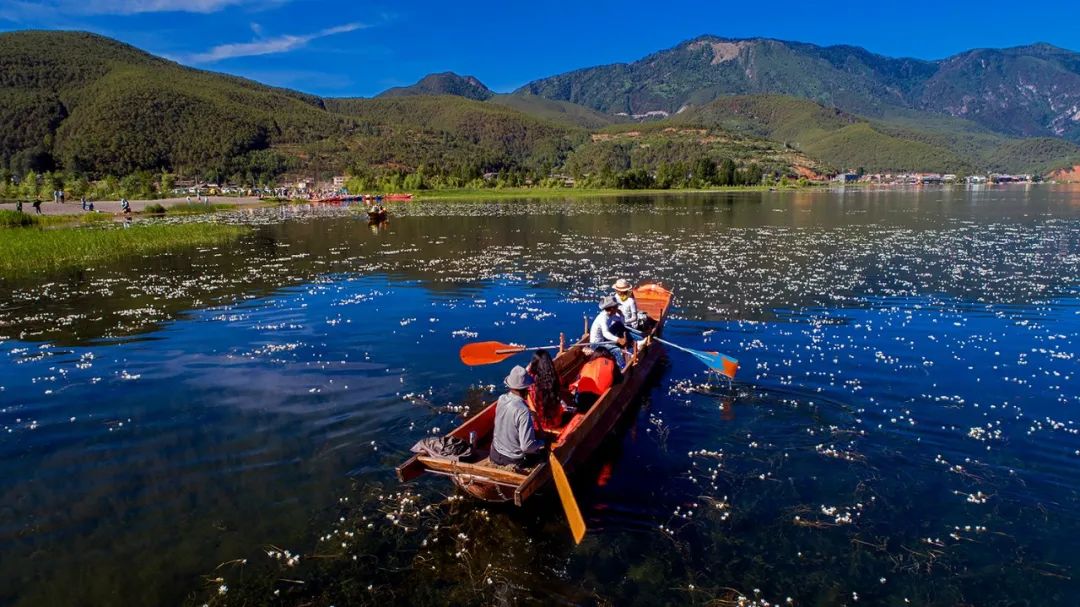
[(49, 207)]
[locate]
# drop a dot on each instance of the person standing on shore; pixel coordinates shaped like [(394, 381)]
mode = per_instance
[(18, 206), (37, 206)]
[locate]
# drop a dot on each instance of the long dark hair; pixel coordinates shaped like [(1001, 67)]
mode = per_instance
[(602, 353), (548, 389)]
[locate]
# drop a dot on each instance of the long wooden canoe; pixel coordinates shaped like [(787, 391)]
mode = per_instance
[(574, 443)]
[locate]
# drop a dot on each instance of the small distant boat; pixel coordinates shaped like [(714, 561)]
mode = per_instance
[(338, 199), (573, 444), (399, 196)]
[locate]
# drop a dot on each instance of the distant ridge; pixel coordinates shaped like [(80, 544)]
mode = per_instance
[(1026, 91), (443, 83)]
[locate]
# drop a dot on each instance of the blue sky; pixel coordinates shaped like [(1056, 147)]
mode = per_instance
[(344, 48)]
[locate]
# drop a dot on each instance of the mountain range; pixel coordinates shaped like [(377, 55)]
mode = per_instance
[(90, 105), (1026, 91)]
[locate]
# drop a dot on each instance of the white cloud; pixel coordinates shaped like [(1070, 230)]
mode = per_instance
[(268, 46), (20, 10), (131, 7)]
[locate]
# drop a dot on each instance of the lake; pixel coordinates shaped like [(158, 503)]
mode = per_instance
[(222, 425)]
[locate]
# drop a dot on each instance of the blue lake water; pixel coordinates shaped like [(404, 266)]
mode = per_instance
[(903, 429)]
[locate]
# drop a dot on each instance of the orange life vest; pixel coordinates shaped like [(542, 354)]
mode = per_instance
[(596, 376)]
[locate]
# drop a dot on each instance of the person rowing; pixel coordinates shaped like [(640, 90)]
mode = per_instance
[(608, 330)]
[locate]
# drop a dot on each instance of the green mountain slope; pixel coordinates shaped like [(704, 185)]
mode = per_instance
[(700, 70), (1025, 91), (560, 112), (106, 107), (450, 134), (672, 152), (898, 144)]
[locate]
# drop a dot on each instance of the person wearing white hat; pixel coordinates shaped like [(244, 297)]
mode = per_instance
[(624, 294), (608, 329), (514, 441)]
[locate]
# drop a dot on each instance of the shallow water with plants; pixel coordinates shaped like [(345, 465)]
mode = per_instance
[(220, 424)]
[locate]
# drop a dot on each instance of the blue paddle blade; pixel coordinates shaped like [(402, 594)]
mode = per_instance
[(721, 363)]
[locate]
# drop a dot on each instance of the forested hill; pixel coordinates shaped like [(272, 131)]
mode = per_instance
[(1024, 91), (89, 106), (445, 83)]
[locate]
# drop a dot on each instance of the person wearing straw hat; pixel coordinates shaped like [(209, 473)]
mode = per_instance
[(514, 441), (608, 330), (624, 294)]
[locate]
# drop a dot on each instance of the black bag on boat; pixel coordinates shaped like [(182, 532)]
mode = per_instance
[(446, 447)]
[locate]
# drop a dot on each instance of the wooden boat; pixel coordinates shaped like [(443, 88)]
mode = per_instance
[(574, 443), (377, 216)]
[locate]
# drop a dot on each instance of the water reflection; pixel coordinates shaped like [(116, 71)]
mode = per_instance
[(904, 412)]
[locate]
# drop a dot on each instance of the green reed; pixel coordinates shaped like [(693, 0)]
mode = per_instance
[(27, 251)]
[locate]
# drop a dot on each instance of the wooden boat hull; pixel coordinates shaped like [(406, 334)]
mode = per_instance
[(577, 440), (377, 217)]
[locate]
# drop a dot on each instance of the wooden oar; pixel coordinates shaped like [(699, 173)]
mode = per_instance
[(566, 496), (490, 352), (721, 363)]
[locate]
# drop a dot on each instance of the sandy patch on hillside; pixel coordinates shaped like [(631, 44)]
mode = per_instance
[(1070, 175), (722, 51)]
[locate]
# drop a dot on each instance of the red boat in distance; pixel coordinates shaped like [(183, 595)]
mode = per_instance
[(363, 197), (337, 199)]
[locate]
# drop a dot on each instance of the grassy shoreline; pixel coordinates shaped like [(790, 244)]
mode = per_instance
[(29, 251)]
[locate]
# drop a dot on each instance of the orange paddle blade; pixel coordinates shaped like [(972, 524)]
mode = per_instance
[(566, 496), (487, 352), (731, 367)]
